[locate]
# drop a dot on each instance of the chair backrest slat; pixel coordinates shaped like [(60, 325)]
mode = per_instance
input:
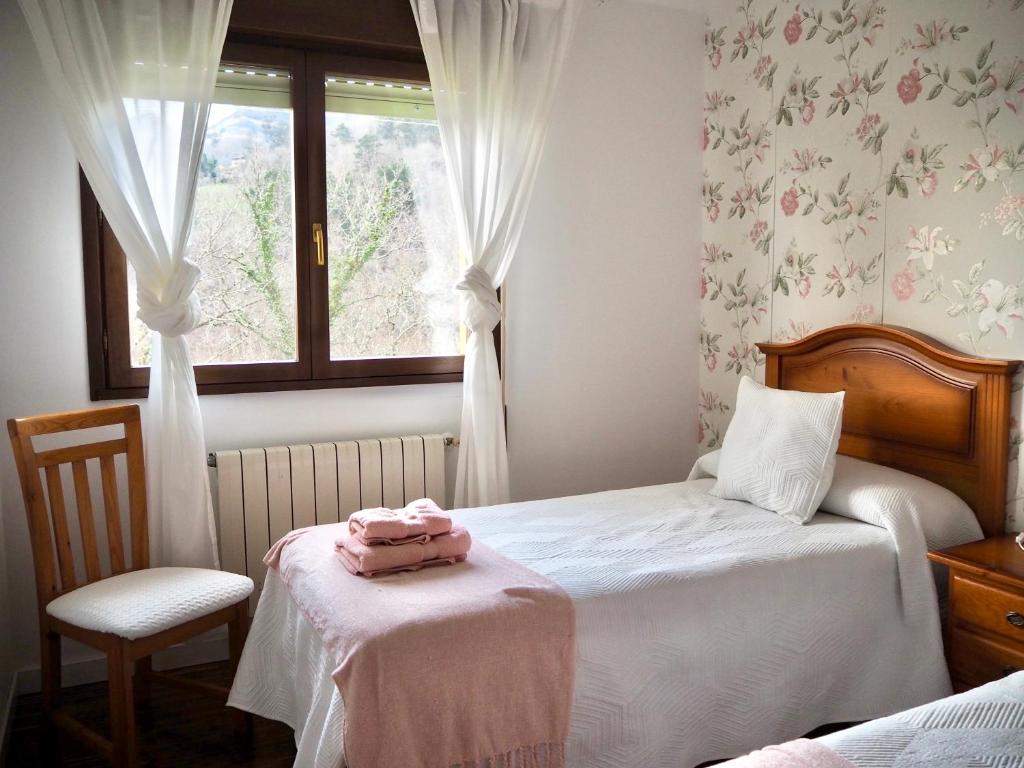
[(112, 510), (48, 528), (55, 491), (86, 524), (138, 512), (81, 452)]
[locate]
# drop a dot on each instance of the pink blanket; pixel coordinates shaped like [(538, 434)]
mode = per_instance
[(469, 666), (418, 520), (801, 753), (449, 547)]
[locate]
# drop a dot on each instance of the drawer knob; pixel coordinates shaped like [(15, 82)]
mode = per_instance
[(1016, 619)]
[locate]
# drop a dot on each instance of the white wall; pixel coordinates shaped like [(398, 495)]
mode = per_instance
[(601, 326), (601, 298)]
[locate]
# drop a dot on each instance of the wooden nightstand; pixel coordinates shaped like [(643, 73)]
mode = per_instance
[(985, 632)]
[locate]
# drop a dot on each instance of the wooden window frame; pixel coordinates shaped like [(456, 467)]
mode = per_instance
[(111, 375)]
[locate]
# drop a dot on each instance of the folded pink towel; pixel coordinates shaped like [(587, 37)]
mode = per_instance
[(800, 753), (368, 560), (399, 526), (352, 565)]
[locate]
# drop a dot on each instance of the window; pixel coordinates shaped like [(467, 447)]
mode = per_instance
[(324, 229)]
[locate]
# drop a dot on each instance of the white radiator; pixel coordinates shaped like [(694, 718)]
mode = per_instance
[(262, 493)]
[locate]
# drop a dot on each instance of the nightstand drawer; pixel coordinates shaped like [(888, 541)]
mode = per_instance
[(987, 607), (975, 660)]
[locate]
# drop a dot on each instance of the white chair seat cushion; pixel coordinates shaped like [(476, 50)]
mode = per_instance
[(142, 603)]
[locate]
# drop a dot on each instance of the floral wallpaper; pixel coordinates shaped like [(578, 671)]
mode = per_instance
[(863, 162)]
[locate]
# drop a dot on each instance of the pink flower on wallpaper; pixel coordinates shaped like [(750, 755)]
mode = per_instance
[(903, 284), (707, 135), (763, 65), (711, 360), (807, 112), (803, 286), (713, 212), (867, 124), (928, 184), (716, 58), (863, 313), (760, 227), (700, 431), (793, 29), (703, 285), (909, 87), (790, 201)]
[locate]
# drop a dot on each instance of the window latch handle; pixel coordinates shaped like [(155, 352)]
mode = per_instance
[(318, 238)]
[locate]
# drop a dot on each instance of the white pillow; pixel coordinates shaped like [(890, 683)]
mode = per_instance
[(780, 449), (945, 518)]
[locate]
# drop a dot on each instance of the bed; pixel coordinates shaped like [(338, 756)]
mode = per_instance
[(707, 627), (981, 727)]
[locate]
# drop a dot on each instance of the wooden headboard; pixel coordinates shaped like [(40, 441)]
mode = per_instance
[(912, 404)]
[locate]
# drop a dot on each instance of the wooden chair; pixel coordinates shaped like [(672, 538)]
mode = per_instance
[(129, 611)]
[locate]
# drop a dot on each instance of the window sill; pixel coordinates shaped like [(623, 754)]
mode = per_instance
[(237, 387)]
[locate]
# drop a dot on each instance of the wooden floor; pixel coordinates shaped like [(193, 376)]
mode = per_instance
[(177, 729)]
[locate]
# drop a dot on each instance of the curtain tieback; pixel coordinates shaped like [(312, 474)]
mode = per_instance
[(481, 310), (176, 310)]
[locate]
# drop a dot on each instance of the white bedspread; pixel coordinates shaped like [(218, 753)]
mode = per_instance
[(706, 628), (982, 727)]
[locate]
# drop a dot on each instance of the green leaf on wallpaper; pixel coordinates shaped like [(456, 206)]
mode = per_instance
[(854, 47), (787, 116), (814, 30), (771, 15), (837, 16), (976, 269), (991, 115), (832, 36), (850, 27), (1017, 5), (846, 107), (968, 74), (901, 188), (843, 184), (945, 75), (890, 186), (987, 89), (963, 99), (879, 69), (934, 92), (809, 209), (956, 310), (929, 296), (983, 54), (962, 288)]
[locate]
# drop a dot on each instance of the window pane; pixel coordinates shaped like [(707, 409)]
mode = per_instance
[(393, 251), (243, 230)]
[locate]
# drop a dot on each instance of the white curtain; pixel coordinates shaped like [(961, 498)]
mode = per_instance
[(134, 80), (493, 65)]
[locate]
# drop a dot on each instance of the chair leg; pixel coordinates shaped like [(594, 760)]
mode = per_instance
[(50, 672), (143, 681), (238, 629), (122, 705)]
